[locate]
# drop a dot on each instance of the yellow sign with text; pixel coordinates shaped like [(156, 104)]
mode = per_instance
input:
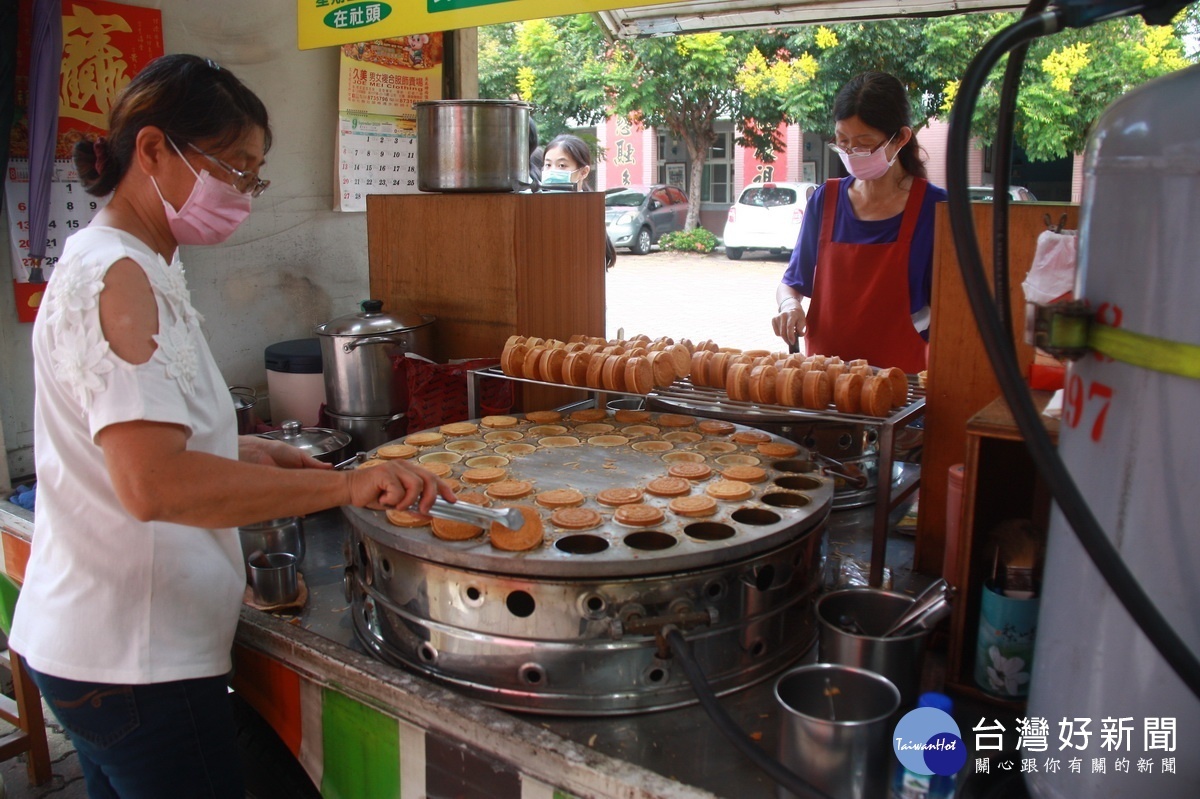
[(325, 23)]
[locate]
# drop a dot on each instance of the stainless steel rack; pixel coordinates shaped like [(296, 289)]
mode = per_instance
[(892, 488)]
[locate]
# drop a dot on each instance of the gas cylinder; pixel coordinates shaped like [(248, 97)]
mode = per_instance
[(1130, 437)]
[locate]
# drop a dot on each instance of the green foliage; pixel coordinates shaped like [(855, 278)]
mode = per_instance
[(497, 67), (761, 79), (1068, 79), (695, 240)]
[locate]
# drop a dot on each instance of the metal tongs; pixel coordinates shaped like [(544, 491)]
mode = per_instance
[(460, 511), (930, 607), (475, 514)]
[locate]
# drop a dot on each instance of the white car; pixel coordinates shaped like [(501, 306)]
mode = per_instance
[(766, 216)]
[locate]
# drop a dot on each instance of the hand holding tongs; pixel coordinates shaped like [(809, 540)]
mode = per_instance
[(930, 607), (462, 511)]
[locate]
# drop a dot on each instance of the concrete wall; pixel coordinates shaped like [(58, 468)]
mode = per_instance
[(294, 264)]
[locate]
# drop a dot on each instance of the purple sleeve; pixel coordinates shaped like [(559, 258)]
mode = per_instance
[(799, 273), (920, 256)]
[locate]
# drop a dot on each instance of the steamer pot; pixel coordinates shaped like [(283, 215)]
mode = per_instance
[(357, 352), (473, 145)]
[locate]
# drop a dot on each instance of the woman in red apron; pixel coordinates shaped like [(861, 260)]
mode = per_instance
[(865, 254)]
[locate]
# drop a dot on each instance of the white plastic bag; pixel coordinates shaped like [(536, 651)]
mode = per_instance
[(1053, 272)]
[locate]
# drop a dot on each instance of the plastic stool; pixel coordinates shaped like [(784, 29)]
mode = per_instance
[(25, 712)]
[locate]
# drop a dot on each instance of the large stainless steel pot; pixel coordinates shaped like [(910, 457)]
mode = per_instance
[(357, 351), (473, 145), (369, 432)]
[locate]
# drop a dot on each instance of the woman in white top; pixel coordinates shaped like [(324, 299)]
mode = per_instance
[(132, 593)]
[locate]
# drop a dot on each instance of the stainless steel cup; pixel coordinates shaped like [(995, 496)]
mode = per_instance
[(871, 611), (273, 577), (836, 728), (277, 535)]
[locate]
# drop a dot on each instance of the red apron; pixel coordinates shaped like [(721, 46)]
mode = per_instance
[(860, 301)]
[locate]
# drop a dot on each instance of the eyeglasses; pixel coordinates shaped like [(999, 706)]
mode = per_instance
[(858, 151), (245, 182)]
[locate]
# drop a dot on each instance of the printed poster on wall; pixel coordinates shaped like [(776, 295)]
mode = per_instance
[(104, 46), (377, 123)]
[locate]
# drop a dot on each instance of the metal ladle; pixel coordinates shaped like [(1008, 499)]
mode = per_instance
[(937, 593)]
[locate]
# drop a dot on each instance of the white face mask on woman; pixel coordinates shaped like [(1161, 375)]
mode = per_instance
[(210, 214), (868, 166)]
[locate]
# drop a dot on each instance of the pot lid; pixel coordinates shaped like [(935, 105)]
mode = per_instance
[(372, 321), (243, 397), (316, 441)]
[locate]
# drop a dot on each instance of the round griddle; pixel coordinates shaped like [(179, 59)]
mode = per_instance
[(793, 499)]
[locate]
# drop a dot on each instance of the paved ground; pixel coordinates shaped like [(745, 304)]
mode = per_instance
[(690, 295)]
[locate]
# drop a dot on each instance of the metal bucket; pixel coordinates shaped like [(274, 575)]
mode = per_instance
[(899, 658), (836, 722), (473, 145), (358, 351)]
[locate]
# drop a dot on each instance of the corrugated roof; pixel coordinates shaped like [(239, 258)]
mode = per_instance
[(708, 15)]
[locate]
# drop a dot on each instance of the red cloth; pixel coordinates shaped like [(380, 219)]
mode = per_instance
[(860, 304), (437, 392)]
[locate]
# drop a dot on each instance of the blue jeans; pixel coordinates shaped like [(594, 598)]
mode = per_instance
[(173, 739)]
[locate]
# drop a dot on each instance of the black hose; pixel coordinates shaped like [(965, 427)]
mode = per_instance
[(1070, 501), (782, 775), (1002, 172)]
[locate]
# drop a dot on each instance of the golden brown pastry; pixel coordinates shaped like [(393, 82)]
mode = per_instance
[(638, 515), (698, 505), (899, 382), (762, 384), (529, 536), (847, 393), (876, 396), (575, 367), (818, 391), (639, 377)]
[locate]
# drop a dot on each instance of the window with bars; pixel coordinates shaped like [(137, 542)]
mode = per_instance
[(717, 183), (717, 179)]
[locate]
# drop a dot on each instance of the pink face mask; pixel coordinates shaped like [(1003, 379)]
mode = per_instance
[(868, 166), (210, 214)]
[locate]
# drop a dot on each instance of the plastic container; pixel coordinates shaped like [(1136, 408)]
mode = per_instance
[(295, 381), (910, 785)]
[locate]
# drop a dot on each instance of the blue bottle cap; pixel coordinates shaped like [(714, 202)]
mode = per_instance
[(936, 700)]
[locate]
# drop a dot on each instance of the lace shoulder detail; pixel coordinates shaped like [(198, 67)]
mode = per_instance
[(81, 356)]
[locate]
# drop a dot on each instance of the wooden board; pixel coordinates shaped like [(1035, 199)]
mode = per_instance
[(492, 265), (960, 380)]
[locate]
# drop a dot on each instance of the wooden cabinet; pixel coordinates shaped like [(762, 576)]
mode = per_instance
[(491, 265), (961, 381), (999, 483)]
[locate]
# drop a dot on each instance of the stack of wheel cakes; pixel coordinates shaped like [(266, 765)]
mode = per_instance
[(639, 365), (610, 473)]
